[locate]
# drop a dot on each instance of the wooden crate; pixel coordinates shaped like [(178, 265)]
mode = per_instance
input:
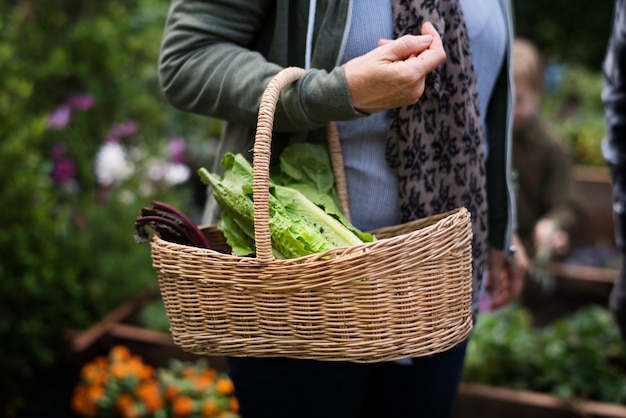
[(480, 401)]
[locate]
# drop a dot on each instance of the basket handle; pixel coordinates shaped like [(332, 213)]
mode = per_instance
[(261, 166)]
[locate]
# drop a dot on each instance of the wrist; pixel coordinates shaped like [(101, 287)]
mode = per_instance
[(510, 252)]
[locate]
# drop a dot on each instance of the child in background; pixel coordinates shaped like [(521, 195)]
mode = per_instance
[(548, 208)]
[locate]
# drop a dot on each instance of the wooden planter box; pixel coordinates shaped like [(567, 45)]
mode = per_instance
[(474, 401), (480, 401), (121, 327), (576, 286), (594, 186)]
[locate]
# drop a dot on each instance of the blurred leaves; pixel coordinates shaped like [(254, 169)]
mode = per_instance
[(68, 254), (574, 106), (580, 356), (566, 30)]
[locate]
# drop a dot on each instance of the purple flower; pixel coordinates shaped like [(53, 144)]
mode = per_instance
[(177, 150), (63, 171), (121, 130), (60, 117), (80, 102)]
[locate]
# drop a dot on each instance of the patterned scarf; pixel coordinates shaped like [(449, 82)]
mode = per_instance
[(435, 145)]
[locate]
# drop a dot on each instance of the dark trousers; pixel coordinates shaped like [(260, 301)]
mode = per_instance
[(288, 388)]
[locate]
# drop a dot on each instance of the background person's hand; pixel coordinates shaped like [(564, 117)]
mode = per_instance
[(548, 235), (393, 74)]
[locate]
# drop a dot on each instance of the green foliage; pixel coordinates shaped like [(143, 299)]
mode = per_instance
[(566, 30), (581, 356), (153, 315), (575, 108), (573, 38), (68, 254)]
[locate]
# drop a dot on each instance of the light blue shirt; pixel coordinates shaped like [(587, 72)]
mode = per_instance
[(363, 140)]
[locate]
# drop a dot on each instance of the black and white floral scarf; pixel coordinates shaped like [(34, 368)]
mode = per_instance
[(436, 145)]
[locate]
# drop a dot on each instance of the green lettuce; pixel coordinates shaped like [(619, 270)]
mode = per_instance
[(304, 214)]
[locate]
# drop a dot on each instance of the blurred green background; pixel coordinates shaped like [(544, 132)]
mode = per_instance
[(78, 75)]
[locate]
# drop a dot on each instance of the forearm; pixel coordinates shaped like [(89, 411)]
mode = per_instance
[(213, 63)]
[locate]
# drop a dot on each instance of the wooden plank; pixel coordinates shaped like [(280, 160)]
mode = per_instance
[(82, 341), (597, 226), (483, 401), (157, 348), (583, 273)]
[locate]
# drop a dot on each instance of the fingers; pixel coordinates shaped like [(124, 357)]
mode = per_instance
[(394, 74), (428, 46), (405, 47), (437, 43), (505, 280)]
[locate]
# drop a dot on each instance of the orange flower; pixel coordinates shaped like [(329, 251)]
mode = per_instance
[(209, 408), (188, 372), (95, 370), (203, 382), (171, 392), (210, 374), (145, 372), (120, 370), (225, 386), (95, 393), (183, 406), (136, 367), (187, 390), (233, 404), (149, 393), (81, 404), (119, 353), (125, 404)]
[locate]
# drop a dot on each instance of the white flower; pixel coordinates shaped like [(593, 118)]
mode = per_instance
[(168, 172), (112, 164), (176, 173)]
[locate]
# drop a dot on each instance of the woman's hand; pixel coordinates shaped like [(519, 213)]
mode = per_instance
[(393, 74), (505, 278)]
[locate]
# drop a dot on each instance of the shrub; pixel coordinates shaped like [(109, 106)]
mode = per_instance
[(580, 356), (575, 108), (121, 384), (75, 75)]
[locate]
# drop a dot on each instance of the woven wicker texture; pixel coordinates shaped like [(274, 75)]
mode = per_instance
[(406, 295)]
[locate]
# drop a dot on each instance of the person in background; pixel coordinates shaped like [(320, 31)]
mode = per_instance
[(614, 147), (548, 206), (408, 110)]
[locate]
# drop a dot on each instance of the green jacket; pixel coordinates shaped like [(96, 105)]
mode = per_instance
[(546, 189), (217, 57)]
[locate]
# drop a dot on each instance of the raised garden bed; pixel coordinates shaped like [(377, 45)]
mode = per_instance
[(482, 401), (587, 276), (597, 226), (122, 326)]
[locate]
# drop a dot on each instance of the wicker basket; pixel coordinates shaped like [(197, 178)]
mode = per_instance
[(406, 295)]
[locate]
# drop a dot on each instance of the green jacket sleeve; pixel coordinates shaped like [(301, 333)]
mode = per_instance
[(217, 57)]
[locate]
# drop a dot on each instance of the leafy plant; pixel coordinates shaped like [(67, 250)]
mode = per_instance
[(154, 316), (581, 356), (575, 107), (123, 385), (78, 79), (552, 25)]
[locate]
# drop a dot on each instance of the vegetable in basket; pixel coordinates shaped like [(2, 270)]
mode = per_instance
[(171, 225), (304, 216)]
